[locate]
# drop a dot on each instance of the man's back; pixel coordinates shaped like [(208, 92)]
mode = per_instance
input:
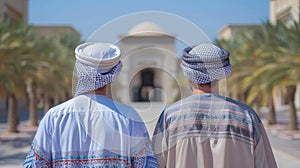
[(206, 130), (91, 130)]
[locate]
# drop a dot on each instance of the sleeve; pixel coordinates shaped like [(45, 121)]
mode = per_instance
[(142, 154), (263, 152), (39, 154), (159, 143)]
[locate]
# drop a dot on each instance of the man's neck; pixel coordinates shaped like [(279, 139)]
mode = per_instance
[(101, 91), (198, 91), (205, 90)]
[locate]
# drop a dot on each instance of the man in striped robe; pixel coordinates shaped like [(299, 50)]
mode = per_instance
[(207, 130)]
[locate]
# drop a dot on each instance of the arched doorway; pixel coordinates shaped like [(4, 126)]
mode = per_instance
[(146, 89), (147, 84)]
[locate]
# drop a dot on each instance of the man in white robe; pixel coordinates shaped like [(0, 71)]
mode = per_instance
[(92, 130)]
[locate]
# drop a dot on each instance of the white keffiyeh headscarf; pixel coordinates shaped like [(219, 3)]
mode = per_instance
[(97, 64)]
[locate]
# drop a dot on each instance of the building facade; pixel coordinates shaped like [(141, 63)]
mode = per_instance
[(229, 31), (16, 10), (285, 11), (55, 31), (150, 65)]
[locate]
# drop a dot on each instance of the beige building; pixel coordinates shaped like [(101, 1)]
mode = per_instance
[(55, 31), (14, 9), (150, 65), (229, 31), (17, 10), (285, 11)]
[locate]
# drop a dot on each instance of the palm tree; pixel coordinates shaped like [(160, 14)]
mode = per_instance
[(264, 80), (267, 60), (42, 77), (252, 52), (57, 56), (290, 63), (15, 58), (239, 71), (31, 62)]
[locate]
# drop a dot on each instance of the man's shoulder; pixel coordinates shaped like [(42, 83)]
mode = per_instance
[(243, 110), (61, 107), (123, 110), (128, 112), (215, 101), (96, 103), (178, 103), (193, 101), (238, 104)]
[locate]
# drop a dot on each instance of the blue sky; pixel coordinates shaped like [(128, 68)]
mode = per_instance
[(87, 16)]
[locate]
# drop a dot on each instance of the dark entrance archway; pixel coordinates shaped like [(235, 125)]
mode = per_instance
[(142, 92), (147, 84), (147, 76)]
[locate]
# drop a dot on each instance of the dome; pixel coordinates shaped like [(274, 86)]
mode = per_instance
[(145, 28)]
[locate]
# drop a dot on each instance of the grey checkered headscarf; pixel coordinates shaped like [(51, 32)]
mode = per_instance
[(97, 64), (205, 63)]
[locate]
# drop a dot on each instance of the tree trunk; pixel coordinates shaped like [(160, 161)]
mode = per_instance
[(285, 98), (56, 100), (291, 91), (271, 112), (33, 115), (12, 114), (46, 103), (257, 109), (63, 97), (6, 103), (257, 106)]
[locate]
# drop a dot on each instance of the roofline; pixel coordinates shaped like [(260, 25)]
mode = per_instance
[(56, 26), (122, 36), (238, 25)]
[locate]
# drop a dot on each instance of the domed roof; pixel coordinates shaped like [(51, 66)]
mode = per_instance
[(145, 28)]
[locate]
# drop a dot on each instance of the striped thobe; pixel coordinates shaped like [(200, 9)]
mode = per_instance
[(211, 131)]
